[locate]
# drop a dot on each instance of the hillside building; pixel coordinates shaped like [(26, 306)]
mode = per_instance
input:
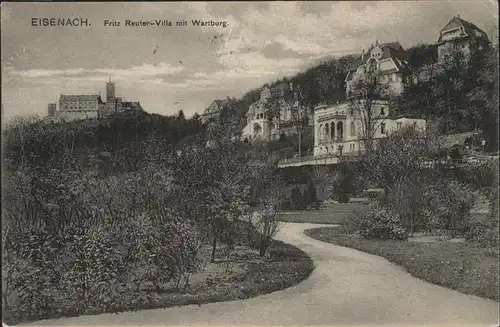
[(215, 108), (460, 35), (388, 61), (83, 106), (338, 130), (266, 123)]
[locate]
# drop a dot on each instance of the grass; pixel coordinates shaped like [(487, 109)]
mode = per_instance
[(250, 275), (327, 214), (464, 267)]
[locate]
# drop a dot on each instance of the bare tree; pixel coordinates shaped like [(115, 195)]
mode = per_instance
[(367, 92), (265, 217), (298, 115)]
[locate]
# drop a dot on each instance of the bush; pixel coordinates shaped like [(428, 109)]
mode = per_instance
[(407, 200), (297, 201), (450, 202), (310, 198), (484, 234), (383, 224)]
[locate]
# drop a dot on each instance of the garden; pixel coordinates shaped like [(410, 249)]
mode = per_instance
[(440, 224), (120, 215)]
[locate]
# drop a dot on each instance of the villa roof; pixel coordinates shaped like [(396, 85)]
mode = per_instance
[(470, 29), (390, 51)]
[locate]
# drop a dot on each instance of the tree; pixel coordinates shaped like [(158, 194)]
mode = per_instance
[(180, 115), (268, 206), (298, 115), (310, 198), (367, 92), (296, 199), (483, 96), (212, 187), (398, 157), (449, 92)]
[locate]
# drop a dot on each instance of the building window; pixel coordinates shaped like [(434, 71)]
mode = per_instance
[(414, 125), (382, 128), (320, 132), (353, 129), (399, 126), (382, 111), (332, 131), (327, 131), (340, 130)]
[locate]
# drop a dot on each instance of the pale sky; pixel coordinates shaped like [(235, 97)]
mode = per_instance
[(194, 65)]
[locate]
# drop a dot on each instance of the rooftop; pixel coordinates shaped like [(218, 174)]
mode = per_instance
[(470, 29)]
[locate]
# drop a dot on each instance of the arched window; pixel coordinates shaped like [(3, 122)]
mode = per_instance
[(327, 131), (320, 133), (332, 131), (353, 129), (340, 130)]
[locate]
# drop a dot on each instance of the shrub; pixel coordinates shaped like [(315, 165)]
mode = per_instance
[(383, 224), (451, 203), (484, 234), (310, 197), (407, 200), (297, 199), (353, 223)]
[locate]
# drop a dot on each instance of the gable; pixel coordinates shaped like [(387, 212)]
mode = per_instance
[(452, 24)]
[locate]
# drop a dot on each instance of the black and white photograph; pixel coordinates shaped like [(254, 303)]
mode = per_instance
[(239, 163)]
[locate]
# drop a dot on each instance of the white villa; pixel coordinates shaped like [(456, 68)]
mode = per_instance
[(338, 130)]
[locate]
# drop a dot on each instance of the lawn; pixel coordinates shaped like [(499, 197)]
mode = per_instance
[(464, 267), (327, 214)]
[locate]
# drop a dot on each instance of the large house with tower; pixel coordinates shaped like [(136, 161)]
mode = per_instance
[(85, 106), (266, 123), (340, 128), (388, 61)]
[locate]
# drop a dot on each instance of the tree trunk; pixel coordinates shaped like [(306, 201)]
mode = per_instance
[(214, 247), (262, 246)]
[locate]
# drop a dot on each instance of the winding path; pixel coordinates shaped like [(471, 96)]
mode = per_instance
[(347, 287)]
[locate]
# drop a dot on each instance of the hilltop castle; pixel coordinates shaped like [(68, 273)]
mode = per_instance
[(84, 106)]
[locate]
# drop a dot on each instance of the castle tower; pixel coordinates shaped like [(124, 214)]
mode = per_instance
[(110, 91)]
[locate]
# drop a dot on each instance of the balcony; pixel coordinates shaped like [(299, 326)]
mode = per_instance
[(334, 140)]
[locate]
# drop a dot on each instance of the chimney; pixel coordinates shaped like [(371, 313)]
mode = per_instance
[(458, 16), (376, 42), (363, 55)]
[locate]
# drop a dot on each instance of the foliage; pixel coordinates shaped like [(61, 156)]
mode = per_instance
[(383, 224), (310, 197), (367, 92), (296, 199), (450, 202)]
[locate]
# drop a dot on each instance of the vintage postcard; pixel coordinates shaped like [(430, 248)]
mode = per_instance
[(329, 163)]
